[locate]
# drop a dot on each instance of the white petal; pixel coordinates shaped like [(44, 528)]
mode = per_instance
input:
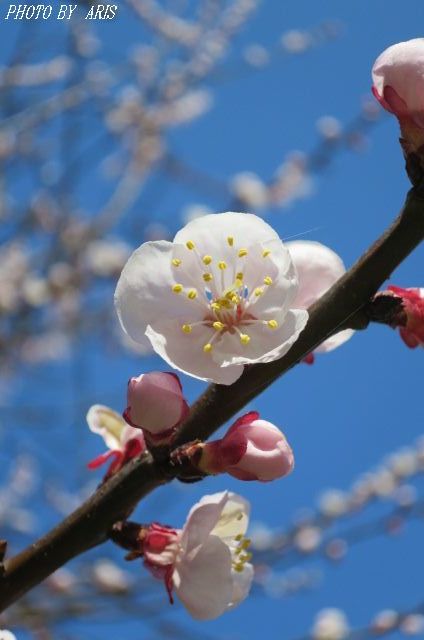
[(318, 268), (185, 352), (144, 290), (265, 344), (335, 341), (210, 233), (204, 582), (108, 424), (242, 582), (202, 518), (234, 518)]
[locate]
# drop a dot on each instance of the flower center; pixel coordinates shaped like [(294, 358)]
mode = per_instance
[(227, 309)]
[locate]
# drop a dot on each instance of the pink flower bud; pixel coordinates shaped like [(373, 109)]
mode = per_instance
[(155, 403), (411, 320), (398, 84), (252, 449)]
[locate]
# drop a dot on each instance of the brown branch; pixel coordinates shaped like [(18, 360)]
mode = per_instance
[(344, 305)]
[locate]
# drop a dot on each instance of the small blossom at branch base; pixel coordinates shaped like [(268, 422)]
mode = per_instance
[(410, 319), (252, 449), (318, 268), (124, 442), (330, 624), (398, 85), (211, 303), (206, 563), (156, 404)]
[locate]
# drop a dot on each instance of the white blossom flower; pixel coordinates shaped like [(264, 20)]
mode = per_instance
[(330, 624), (216, 298), (206, 563), (123, 441), (318, 268)]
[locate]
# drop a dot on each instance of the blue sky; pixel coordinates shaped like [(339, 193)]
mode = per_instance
[(354, 406)]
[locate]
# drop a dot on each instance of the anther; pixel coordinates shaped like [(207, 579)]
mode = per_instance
[(244, 338), (238, 283), (239, 275), (215, 306), (177, 288), (176, 262), (242, 253), (192, 294), (239, 537), (218, 326), (207, 348), (207, 277), (207, 259), (186, 328), (258, 291), (230, 240), (222, 265), (266, 253), (190, 245), (267, 280), (272, 324)]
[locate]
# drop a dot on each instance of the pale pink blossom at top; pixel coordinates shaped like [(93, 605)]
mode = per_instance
[(206, 563), (318, 268), (215, 299), (155, 402), (124, 442), (398, 80), (412, 327), (252, 449)]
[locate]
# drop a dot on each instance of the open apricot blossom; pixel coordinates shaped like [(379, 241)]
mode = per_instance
[(155, 404), (206, 562), (410, 320), (220, 296), (252, 449), (398, 84), (318, 268), (124, 442)]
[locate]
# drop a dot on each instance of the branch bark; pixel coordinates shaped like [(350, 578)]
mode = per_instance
[(342, 306)]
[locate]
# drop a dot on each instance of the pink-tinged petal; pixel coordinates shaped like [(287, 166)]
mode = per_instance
[(131, 434), (411, 319), (185, 352), (398, 79), (155, 402), (203, 581), (202, 518), (234, 518), (104, 457)]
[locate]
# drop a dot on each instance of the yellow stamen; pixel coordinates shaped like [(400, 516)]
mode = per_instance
[(267, 280), (272, 324), (235, 299), (222, 265), (218, 326), (207, 348), (176, 262), (244, 338), (242, 253), (190, 245), (239, 275), (215, 306), (246, 543), (239, 537), (239, 283), (186, 328), (230, 240), (207, 277), (266, 253), (239, 567), (207, 259), (177, 288), (192, 294), (246, 557), (258, 292)]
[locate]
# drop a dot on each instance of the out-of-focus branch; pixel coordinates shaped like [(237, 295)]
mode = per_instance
[(89, 525)]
